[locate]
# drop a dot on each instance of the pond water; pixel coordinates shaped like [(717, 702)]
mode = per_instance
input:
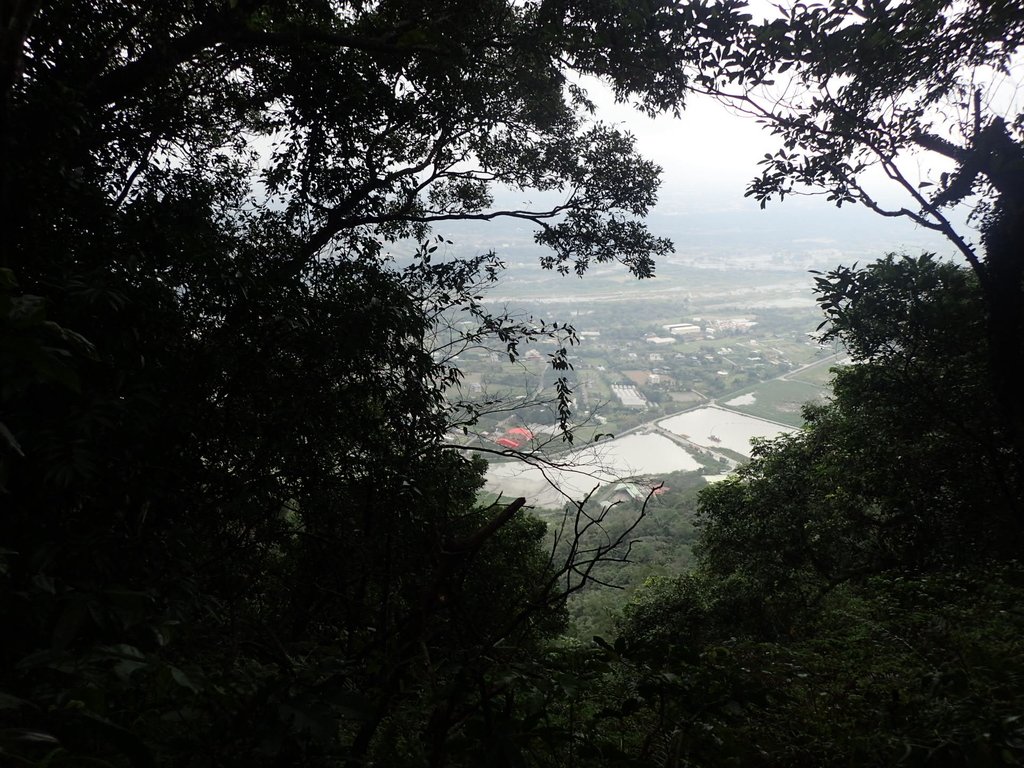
[(733, 430), (592, 465)]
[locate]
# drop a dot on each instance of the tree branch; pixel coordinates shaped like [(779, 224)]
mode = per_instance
[(230, 31), (931, 217), (467, 546)]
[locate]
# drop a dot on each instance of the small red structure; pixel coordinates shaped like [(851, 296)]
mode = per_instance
[(522, 432), (504, 441)]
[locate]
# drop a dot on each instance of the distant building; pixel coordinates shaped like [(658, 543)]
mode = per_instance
[(637, 492), (661, 340), (736, 325), (686, 330), (629, 396), (624, 492)]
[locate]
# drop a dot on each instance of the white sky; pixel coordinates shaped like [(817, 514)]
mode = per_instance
[(709, 155)]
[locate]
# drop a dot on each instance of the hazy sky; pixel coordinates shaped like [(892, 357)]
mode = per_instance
[(709, 155)]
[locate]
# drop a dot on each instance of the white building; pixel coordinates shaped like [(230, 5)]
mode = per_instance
[(629, 396), (686, 330)]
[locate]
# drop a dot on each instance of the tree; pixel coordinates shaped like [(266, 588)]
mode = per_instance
[(864, 84), (892, 522), (907, 467), (443, 112), (227, 501), (848, 563)]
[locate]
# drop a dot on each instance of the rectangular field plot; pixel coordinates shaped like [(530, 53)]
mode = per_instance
[(776, 400), (714, 427)]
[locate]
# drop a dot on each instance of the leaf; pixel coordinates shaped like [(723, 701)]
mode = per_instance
[(125, 669), (125, 740), (7, 279), (182, 679), (24, 734), (44, 583), (70, 623), (11, 702), (10, 440)]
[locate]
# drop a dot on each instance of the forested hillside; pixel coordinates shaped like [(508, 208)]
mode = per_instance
[(232, 530)]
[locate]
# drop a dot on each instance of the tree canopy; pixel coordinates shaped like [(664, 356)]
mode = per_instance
[(856, 585), (858, 85), (232, 533)]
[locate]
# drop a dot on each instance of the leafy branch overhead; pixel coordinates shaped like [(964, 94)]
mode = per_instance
[(859, 86), (453, 101), (854, 85)]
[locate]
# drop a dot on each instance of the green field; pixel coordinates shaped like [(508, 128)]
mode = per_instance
[(819, 375), (778, 400)]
